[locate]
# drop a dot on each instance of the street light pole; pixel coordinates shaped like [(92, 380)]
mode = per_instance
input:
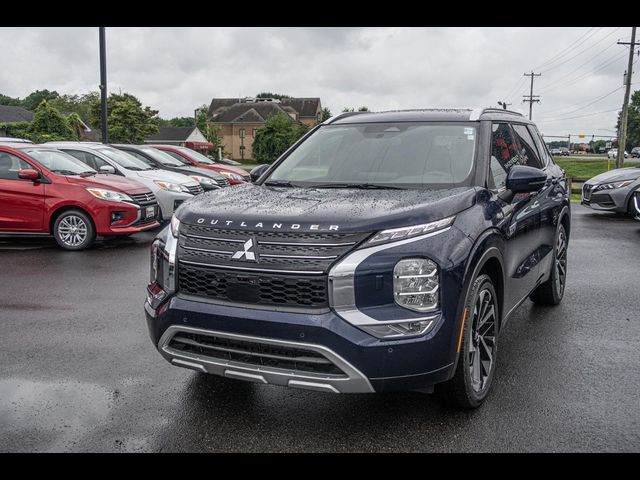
[(103, 86), (625, 105)]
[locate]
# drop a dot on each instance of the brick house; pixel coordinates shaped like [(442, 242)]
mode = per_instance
[(240, 118)]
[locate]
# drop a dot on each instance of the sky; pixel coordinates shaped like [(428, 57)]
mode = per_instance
[(175, 70)]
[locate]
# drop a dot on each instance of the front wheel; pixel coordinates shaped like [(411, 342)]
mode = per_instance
[(552, 291), (471, 382), (73, 230)]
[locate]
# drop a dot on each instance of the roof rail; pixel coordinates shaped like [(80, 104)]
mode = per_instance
[(341, 115), (501, 110)]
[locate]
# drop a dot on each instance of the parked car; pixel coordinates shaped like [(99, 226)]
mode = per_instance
[(383, 251), (14, 140), (225, 161), (236, 175), (564, 151), (208, 179), (612, 191), (635, 152), (556, 152), (170, 188), (46, 192), (613, 153)]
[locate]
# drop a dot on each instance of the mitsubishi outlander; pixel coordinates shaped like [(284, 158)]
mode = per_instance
[(382, 251)]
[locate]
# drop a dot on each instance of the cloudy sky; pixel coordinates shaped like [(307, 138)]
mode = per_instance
[(175, 70)]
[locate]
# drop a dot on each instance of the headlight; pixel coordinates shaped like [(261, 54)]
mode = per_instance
[(233, 176), (109, 195), (611, 186), (203, 180), (172, 187), (175, 226), (408, 232), (415, 284)]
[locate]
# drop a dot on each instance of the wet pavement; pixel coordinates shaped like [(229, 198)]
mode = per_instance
[(79, 372)]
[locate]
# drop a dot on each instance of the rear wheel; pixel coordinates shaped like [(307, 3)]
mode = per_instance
[(472, 380), (73, 230), (552, 291)]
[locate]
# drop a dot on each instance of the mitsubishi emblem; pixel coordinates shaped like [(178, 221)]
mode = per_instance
[(247, 252)]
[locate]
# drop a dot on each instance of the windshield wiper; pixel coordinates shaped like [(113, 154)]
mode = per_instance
[(87, 173), (363, 186), (65, 172), (280, 183)]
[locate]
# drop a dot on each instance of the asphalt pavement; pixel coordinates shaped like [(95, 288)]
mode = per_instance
[(79, 373)]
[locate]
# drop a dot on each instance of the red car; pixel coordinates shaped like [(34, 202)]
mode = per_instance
[(44, 191), (236, 175)]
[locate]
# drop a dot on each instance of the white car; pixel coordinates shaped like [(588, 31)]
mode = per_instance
[(170, 188), (613, 153)]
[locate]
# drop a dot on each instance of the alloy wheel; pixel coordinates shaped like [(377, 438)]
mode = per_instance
[(72, 230), (561, 262), (482, 340)]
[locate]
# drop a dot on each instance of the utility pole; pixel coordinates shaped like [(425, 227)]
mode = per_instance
[(504, 105), (531, 98), (103, 86), (625, 106)]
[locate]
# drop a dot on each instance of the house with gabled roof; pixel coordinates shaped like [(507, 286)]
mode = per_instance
[(240, 118), (190, 137)]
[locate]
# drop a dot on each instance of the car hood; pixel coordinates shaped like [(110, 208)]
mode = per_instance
[(111, 182), (617, 175), (193, 170), (258, 207), (165, 176)]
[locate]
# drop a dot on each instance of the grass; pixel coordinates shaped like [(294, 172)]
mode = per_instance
[(577, 168)]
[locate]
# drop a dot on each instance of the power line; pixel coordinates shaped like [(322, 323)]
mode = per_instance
[(566, 49), (583, 106), (625, 104), (580, 116)]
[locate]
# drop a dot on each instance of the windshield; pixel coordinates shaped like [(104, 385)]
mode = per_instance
[(162, 157), (124, 159), (393, 155), (197, 156), (59, 162)]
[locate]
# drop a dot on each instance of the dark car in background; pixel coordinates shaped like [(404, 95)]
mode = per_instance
[(208, 179), (44, 191), (382, 251), (236, 175)]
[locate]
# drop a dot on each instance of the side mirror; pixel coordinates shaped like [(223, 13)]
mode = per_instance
[(258, 171), (29, 174), (107, 169), (523, 179)]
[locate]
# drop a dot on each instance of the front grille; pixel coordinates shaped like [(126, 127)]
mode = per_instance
[(195, 189), (249, 352), (287, 269), (144, 221), (253, 288), (144, 198), (222, 181), (602, 199)]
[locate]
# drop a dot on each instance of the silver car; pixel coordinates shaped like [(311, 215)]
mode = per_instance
[(613, 190), (170, 188)]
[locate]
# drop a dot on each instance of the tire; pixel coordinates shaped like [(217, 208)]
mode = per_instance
[(74, 230), (476, 366), (551, 292)]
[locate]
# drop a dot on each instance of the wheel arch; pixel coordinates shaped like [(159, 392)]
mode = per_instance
[(65, 208)]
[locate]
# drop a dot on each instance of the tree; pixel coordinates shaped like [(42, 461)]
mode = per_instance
[(10, 101), (326, 114), (278, 133), (633, 122), (76, 124), (34, 99), (80, 104), (129, 121), (176, 122), (49, 125), (361, 109), (278, 96)]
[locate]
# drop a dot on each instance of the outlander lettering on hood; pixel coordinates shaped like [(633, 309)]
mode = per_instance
[(383, 251)]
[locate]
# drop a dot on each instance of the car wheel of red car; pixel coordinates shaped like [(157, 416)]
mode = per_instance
[(73, 230)]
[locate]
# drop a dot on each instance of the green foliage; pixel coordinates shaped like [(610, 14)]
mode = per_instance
[(278, 133), (34, 99), (326, 114), (16, 130), (49, 125), (361, 109), (176, 122), (278, 96), (80, 104), (129, 121), (633, 122), (10, 101)]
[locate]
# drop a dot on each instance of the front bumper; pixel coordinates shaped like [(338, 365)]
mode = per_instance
[(367, 363), (169, 201), (123, 218), (613, 200)]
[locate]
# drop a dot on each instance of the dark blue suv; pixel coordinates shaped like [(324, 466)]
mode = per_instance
[(382, 251)]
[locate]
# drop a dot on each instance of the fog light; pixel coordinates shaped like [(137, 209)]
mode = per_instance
[(416, 284), (116, 216), (401, 329)]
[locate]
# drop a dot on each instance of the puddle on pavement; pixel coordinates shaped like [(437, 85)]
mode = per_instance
[(50, 416)]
